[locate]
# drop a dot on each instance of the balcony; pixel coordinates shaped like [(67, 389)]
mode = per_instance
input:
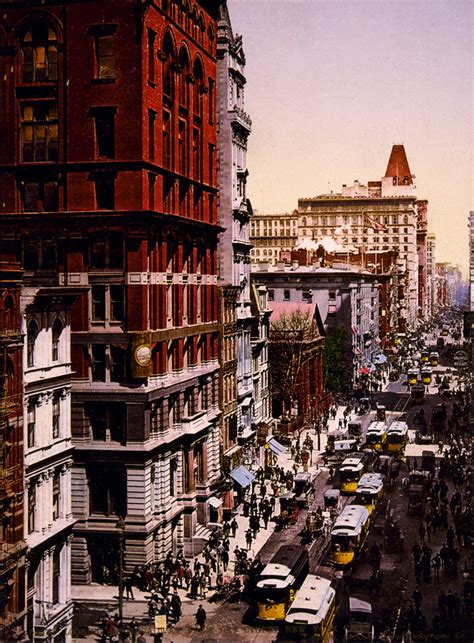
[(241, 117)]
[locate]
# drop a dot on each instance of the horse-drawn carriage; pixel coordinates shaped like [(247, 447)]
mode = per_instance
[(289, 510)]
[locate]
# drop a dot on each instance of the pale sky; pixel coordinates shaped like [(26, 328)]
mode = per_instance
[(331, 85)]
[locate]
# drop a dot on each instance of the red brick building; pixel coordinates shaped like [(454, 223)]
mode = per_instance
[(108, 182)]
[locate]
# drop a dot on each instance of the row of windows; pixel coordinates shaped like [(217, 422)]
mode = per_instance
[(32, 502), (32, 425), (108, 252), (32, 334)]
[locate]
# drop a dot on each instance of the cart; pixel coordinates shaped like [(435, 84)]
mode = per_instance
[(289, 510)]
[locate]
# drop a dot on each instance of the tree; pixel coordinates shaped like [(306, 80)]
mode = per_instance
[(293, 338), (336, 373)]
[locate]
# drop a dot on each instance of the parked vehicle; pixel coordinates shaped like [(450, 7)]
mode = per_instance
[(380, 412), (289, 510), (376, 435), (413, 376), (434, 358), (355, 429)]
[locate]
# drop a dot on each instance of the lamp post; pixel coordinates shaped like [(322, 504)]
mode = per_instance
[(121, 527)]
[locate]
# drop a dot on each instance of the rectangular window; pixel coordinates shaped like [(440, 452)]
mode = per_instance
[(151, 133), (98, 303), (151, 55), (117, 303), (332, 295), (105, 56), (104, 118), (286, 295), (271, 295), (48, 255), (31, 507), (117, 364), (211, 163), (97, 252), (166, 140), (40, 196), (98, 362), (197, 154), (182, 146), (56, 574), (106, 252), (105, 190), (31, 424), (307, 295), (56, 416), (108, 494), (39, 132), (56, 496)]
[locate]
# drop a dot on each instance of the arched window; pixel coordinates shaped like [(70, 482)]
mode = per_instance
[(168, 54), (197, 97), (183, 78), (31, 337), (39, 46), (57, 330)]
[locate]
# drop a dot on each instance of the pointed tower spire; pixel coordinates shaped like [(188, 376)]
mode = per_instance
[(398, 167)]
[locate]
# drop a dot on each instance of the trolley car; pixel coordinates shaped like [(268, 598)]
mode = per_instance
[(397, 437), (349, 534), (311, 616)]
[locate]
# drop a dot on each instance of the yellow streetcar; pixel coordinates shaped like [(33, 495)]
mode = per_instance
[(412, 376), (311, 615), (349, 534), (397, 437), (376, 436), (370, 491), (279, 582)]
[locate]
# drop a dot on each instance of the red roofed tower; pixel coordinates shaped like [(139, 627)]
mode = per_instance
[(398, 167)]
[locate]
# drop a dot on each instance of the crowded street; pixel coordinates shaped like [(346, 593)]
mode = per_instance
[(414, 569)]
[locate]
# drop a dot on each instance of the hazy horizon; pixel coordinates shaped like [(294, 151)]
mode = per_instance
[(331, 86)]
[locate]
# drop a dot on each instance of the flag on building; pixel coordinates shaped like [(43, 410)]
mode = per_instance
[(369, 222)]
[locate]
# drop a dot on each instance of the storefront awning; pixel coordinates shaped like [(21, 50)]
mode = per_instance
[(380, 359), (275, 446), (215, 502), (242, 476)]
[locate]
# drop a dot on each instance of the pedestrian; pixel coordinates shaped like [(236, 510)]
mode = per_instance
[(129, 588), (202, 586), (417, 597), (133, 625), (436, 564), (442, 605), (201, 617), (225, 559), (176, 605), (194, 586), (248, 538), (234, 526)]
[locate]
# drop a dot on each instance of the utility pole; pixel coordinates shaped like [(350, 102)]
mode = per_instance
[(121, 527)]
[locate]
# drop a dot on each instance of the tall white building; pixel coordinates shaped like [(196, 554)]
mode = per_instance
[(234, 208), (48, 463), (376, 217)]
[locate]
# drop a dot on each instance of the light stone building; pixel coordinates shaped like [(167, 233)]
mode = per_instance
[(272, 234), (48, 463)]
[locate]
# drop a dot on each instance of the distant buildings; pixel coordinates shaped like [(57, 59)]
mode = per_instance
[(347, 300), (373, 218)]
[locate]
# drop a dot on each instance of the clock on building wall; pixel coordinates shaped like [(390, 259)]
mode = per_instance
[(141, 354)]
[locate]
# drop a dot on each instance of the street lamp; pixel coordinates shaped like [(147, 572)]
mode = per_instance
[(121, 527)]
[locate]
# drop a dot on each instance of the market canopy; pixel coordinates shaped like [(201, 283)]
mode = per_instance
[(215, 502), (275, 446), (242, 476)]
